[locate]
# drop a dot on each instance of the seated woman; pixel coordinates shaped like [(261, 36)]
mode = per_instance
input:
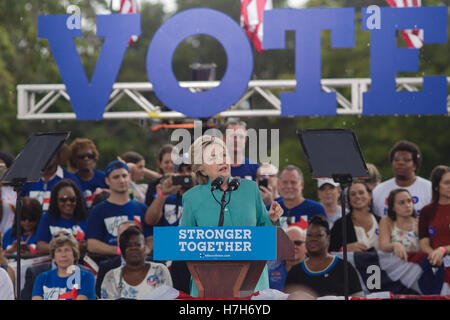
[(362, 224), (66, 281), (320, 274), (31, 214), (399, 229), (137, 278), (66, 212), (434, 220)]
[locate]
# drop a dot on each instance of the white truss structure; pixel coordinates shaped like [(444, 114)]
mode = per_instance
[(34, 101)]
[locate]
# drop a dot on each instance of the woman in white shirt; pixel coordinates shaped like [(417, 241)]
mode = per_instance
[(137, 278), (361, 223)]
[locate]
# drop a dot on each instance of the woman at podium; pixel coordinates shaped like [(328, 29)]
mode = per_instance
[(201, 206)]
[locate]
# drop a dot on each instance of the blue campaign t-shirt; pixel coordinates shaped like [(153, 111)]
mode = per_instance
[(305, 210), (9, 238), (50, 286), (246, 170), (88, 187), (49, 226), (41, 190), (105, 218), (171, 211), (277, 274)]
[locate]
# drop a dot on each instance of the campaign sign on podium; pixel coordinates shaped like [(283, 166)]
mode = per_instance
[(215, 243)]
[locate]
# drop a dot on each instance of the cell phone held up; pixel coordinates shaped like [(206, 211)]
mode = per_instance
[(184, 181), (263, 182)]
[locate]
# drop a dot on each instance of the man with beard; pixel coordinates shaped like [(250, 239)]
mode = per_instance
[(405, 158)]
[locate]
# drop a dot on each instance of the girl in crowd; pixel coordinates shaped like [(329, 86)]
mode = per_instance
[(136, 279), (434, 220), (31, 215), (362, 224), (399, 229), (66, 281), (67, 212)]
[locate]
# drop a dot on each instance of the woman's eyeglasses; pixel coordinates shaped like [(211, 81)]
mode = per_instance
[(65, 199), (81, 156)]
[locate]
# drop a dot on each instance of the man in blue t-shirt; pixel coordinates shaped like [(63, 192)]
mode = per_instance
[(104, 218), (236, 139), (297, 209)]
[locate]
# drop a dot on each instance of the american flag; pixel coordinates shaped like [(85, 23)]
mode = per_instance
[(252, 19), (129, 6), (413, 38)]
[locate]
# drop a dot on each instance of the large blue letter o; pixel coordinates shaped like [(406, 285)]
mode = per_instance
[(239, 66)]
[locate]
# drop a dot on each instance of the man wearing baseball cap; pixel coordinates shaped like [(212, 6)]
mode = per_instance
[(105, 218), (328, 193)]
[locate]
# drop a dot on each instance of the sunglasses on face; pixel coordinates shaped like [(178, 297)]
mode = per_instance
[(298, 242), (81, 156), (65, 199)]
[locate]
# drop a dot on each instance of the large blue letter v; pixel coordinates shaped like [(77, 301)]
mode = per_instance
[(89, 99)]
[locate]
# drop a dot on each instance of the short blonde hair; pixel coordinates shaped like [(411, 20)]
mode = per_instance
[(196, 155), (61, 239)]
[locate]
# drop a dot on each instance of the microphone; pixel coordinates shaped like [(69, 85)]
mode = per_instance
[(217, 183), (234, 184)]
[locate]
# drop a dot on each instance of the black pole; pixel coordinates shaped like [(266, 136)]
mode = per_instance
[(222, 209), (344, 243), (18, 216), (344, 180)]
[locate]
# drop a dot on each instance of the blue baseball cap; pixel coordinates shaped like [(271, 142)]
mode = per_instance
[(114, 165)]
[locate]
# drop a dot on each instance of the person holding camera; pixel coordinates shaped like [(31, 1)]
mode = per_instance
[(167, 207), (267, 180)]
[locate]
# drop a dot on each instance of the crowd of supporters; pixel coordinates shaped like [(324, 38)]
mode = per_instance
[(101, 220)]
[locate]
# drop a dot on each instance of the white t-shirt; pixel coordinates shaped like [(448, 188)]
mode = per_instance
[(420, 191), (9, 206), (6, 286)]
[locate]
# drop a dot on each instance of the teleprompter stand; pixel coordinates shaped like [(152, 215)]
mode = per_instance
[(29, 164), (335, 153)]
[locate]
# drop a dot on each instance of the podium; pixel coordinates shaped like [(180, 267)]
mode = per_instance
[(238, 278)]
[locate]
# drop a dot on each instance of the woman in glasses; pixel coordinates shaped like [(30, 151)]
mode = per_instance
[(321, 272), (399, 229), (83, 159), (31, 214), (67, 281), (66, 212)]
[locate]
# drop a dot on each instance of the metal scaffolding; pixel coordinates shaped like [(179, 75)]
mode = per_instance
[(35, 101)]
